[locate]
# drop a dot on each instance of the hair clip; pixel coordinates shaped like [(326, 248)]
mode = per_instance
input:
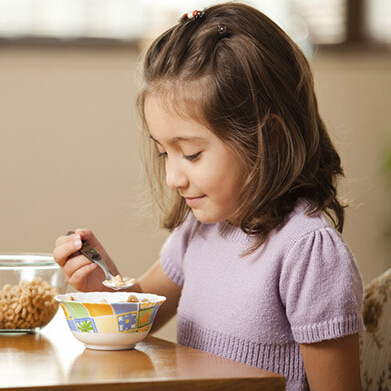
[(192, 15), (197, 14), (222, 29)]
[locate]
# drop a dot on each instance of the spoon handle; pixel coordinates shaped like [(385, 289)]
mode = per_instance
[(92, 254)]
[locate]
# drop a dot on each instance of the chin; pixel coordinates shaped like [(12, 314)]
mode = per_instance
[(207, 219)]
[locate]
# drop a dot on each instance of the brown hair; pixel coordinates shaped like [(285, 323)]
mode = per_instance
[(238, 73)]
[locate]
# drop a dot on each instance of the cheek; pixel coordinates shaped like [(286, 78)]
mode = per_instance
[(228, 183), (234, 182)]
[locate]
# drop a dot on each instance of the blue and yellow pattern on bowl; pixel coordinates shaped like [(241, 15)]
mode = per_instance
[(106, 321)]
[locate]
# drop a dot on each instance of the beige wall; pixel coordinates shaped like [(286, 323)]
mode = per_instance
[(354, 93), (69, 150)]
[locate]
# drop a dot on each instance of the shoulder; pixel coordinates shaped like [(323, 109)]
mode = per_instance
[(312, 249), (303, 226), (302, 221), (184, 232), (175, 247)]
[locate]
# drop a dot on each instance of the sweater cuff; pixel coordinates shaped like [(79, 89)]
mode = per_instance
[(333, 328), (173, 274)]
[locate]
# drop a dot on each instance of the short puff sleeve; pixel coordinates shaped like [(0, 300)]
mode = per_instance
[(174, 249), (321, 288)]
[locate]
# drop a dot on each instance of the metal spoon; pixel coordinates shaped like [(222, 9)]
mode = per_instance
[(90, 252)]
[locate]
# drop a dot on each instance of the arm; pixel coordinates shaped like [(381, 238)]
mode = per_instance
[(86, 276), (333, 365)]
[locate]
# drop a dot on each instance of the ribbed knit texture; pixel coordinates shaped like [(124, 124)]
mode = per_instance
[(302, 286)]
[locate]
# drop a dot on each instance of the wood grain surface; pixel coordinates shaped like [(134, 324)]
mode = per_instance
[(54, 360)]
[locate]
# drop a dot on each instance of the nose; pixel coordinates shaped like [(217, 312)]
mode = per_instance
[(176, 177)]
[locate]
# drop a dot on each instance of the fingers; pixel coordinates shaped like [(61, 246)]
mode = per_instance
[(65, 247), (79, 271), (88, 235), (78, 274)]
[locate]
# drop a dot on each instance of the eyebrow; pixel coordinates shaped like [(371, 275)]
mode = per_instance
[(176, 139)]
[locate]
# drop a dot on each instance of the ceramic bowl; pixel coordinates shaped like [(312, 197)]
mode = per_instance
[(106, 320), (28, 284)]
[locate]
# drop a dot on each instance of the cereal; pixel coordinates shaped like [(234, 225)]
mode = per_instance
[(132, 299), (118, 281), (27, 305)]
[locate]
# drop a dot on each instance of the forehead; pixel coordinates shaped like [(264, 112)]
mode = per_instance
[(187, 99), (165, 124)]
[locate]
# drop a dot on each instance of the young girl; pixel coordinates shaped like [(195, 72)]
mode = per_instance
[(254, 268)]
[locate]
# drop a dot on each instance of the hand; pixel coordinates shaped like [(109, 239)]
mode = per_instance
[(79, 271)]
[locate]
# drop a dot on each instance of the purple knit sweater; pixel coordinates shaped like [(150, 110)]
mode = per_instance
[(302, 286)]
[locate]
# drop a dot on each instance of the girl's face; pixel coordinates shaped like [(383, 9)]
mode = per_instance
[(198, 164)]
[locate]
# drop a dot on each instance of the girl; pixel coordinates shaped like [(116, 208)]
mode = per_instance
[(254, 268)]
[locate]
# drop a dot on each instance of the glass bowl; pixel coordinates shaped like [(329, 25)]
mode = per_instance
[(28, 285)]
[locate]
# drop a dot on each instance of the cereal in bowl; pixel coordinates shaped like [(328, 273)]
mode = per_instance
[(28, 305)]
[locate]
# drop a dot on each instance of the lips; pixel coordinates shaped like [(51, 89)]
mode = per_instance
[(193, 201)]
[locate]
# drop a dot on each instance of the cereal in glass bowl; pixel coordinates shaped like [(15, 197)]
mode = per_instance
[(28, 285)]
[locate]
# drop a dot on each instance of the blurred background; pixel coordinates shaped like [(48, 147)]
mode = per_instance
[(69, 128)]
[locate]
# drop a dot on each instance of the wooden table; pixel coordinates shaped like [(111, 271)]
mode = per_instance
[(54, 360)]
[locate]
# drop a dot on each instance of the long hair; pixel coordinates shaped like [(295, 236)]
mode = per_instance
[(237, 72)]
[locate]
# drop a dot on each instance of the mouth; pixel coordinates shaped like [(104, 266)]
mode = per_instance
[(193, 201)]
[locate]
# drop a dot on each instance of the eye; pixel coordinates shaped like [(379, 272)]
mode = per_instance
[(162, 154), (192, 157)]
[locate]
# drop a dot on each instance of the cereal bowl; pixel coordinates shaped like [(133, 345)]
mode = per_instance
[(28, 284), (110, 320)]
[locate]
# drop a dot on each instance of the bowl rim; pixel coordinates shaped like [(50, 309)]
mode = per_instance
[(26, 259), (62, 298)]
